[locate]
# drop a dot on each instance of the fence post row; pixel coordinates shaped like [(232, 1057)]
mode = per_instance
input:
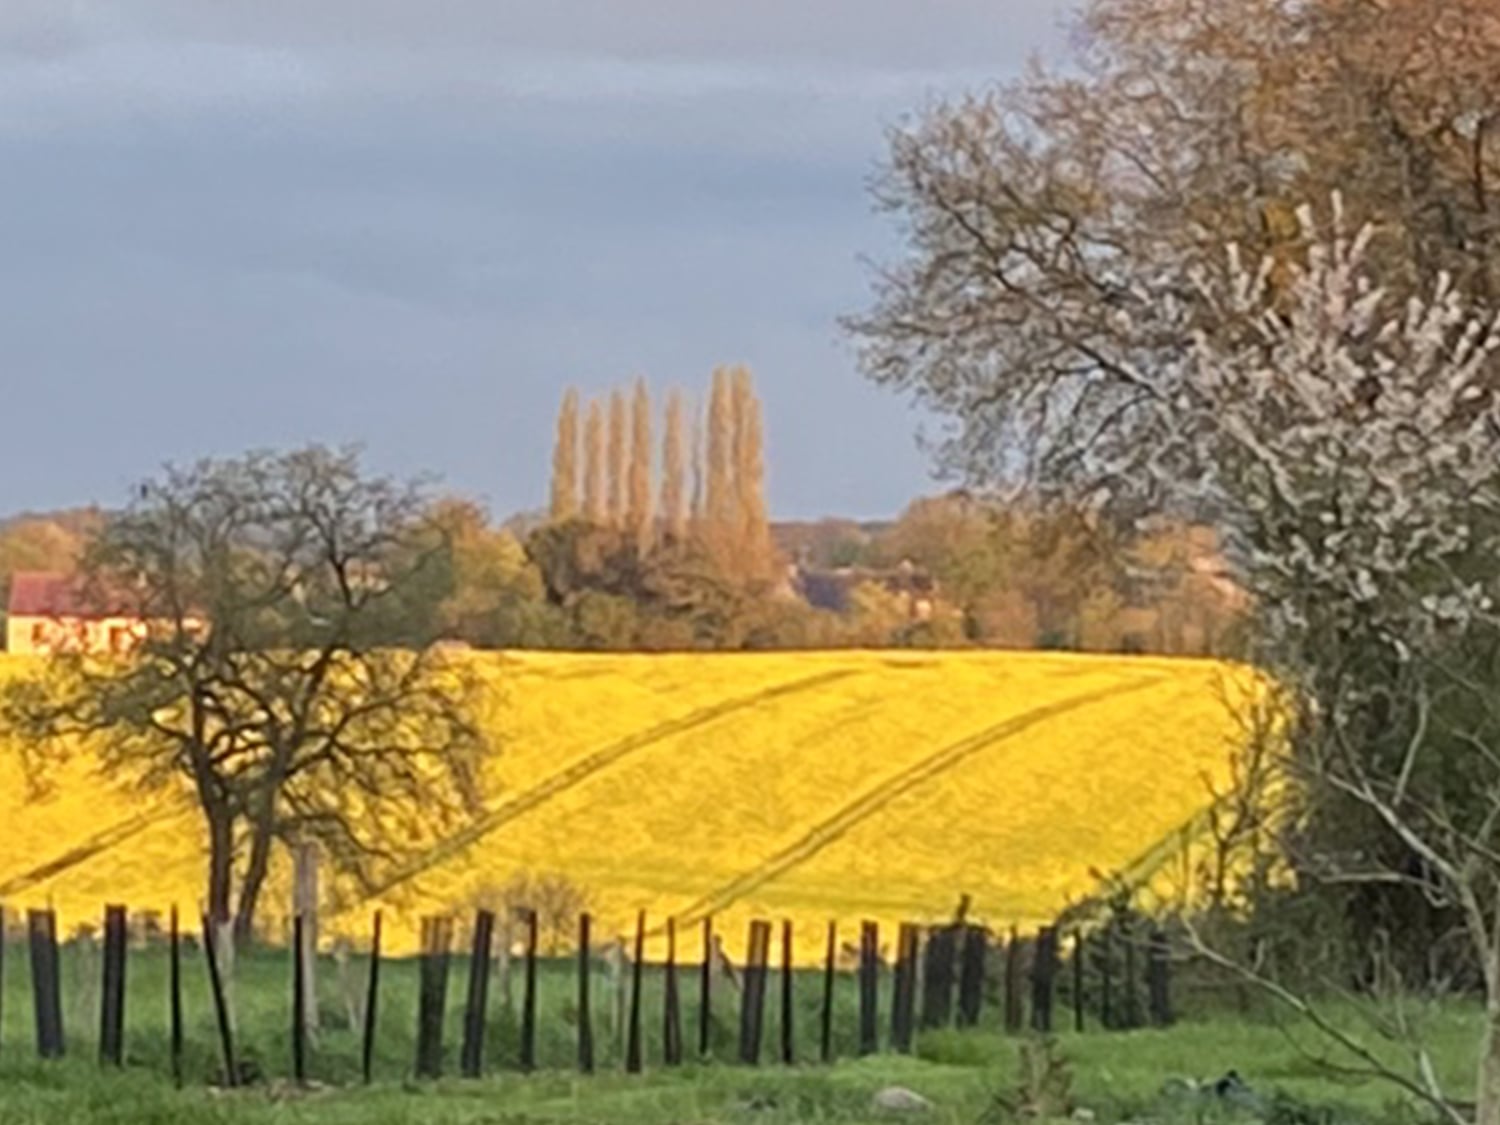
[(937, 989), (1043, 978), (528, 997), (830, 967), (41, 928), (705, 991), (671, 1017), (372, 1003), (788, 1038)]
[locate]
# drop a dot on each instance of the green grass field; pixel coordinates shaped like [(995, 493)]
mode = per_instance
[(1119, 1076)]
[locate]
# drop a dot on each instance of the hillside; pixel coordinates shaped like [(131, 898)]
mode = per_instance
[(815, 785)]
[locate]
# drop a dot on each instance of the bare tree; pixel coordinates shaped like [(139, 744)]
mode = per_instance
[(284, 676)]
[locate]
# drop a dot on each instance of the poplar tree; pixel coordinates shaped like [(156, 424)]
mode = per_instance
[(565, 460), (719, 495), (639, 516), (619, 457), (752, 536), (595, 506), (674, 471)]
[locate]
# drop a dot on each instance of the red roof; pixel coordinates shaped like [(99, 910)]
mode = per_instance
[(40, 593)]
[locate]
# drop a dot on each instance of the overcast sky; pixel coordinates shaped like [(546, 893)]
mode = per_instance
[(410, 223)]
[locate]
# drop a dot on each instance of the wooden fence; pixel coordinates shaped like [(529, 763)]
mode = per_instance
[(1114, 978)]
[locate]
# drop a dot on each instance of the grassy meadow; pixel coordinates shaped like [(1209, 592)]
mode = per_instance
[(815, 786)]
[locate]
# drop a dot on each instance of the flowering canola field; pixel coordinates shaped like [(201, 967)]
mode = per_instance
[(815, 786)]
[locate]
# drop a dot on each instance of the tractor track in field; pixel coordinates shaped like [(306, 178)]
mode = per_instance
[(867, 804), (589, 766), (100, 842)]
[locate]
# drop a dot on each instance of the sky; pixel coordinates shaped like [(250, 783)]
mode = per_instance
[(410, 224)]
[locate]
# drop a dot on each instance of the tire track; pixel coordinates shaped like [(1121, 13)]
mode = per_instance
[(100, 842), (590, 765), (870, 802)]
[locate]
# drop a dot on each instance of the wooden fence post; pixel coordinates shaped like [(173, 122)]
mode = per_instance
[(830, 967), (904, 987), (46, 986), (705, 991), (112, 998), (437, 941), (1043, 979), (869, 983), (788, 1036), (299, 1002), (1079, 953), (1129, 982), (1158, 979), (1014, 1007), (174, 996), (585, 1011), (753, 995), (633, 1032), (1106, 979), (937, 978), (528, 997), (971, 976), (471, 1058), (221, 1003), (671, 1015), (372, 1002)]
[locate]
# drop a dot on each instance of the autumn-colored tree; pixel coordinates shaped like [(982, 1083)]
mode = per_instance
[(697, 467), (595, 503), (565, 460), (720, 502), (674, 471), (619, 458), (752, 526), (639, 516)]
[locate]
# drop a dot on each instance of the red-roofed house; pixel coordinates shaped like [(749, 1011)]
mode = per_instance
[(51, 612)]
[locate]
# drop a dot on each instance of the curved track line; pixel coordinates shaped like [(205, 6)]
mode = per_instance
[(96, 844), (872, 800), (591, 764)]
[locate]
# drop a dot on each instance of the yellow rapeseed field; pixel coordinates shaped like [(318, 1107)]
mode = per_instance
[(814, 786)]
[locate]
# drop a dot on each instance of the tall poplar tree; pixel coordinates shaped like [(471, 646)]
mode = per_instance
[(565, 460), (719, 493), (674, 471), (639, 515), (595, 503), (619, 458), (752, 535)]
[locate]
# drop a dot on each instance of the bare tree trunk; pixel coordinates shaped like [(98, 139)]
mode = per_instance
[(220, 866), (250, 886)]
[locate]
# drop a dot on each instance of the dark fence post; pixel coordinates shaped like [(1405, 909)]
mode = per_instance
[(788, 1037), (528, 997), (904, 987), (971, 976), (1107, 979), (830, 967), (705, 990), (633, 1032), (437, 941), (937, 977), (45, 984), (585, 1011), (112, 998), (671, 1013), (1129, 981), (1014, 1008), (1079, 953), (1043, 979), (753, 993), (221, 1005), (1158, 979), (471, 1059), (869, 983), (299, 1001), (174, 996), (372, 1002)]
